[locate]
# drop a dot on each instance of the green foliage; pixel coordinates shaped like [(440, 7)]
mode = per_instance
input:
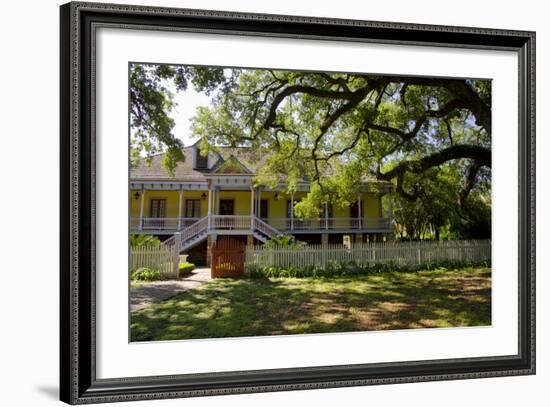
[(351, 268), (139, 239), (437, 214), (474, 221), (146, 274), (284, 241), (185, 269), (152, 101), (150, 105), (311, 134), (335, 130)]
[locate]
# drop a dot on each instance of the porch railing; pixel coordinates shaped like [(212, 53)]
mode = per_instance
[(149, 223), (288, 224), (271, 225), (230, 222)]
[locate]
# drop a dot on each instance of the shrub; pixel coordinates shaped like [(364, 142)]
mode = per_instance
[(138, 240), (334, 269), (284, 241), (184, 269), (146, 274)]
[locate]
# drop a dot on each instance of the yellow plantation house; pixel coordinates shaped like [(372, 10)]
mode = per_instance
[(212, 196)]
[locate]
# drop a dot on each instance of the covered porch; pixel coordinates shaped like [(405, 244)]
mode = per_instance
[(233, 205)]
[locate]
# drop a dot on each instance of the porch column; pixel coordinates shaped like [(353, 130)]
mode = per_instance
[(292, 211), (256, 204), (209, 205), (216, 201), (258, 211), (179, 208), (251, 206), (141, 208), (390, 207), (360, 212)]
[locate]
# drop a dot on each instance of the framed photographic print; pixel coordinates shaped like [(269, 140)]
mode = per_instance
[(254, 203)]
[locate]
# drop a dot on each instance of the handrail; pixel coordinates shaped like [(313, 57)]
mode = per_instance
[(189, 231), (194, 229), (265, 228)]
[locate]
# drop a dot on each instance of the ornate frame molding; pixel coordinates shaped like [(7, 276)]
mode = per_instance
[(77, 173)]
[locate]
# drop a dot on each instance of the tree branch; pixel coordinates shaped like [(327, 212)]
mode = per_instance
[(407, 136), (469, 182), (310, 90), (479, 154)]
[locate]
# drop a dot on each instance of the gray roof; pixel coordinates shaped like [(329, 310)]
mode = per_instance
[(252, 160), (184, 171), (155, 170)]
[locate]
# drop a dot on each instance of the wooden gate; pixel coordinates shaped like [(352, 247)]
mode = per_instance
[(228, 255)]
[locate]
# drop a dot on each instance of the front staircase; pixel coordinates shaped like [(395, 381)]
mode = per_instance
[(191, 235), (198, 231), (263, 231)]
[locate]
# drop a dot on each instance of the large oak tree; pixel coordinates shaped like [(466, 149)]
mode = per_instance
[(335, 129)]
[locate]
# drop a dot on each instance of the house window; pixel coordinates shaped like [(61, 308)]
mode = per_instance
[(158, 208), (354, 210), (192, 208), (263, 209), (227, 207), (202, 161)]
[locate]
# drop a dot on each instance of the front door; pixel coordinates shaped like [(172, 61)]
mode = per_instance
[(227, 207)]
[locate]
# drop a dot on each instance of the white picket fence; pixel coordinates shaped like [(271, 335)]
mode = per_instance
[(402, 253), (159, 257)]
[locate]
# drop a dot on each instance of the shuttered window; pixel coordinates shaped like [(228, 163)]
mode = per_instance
[(158, 208), (202, 161), (192, 208)]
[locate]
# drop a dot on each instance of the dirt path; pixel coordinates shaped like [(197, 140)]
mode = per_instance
[(145, 294)]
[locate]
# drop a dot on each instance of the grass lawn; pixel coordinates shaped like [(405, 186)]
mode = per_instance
[(229, 308)]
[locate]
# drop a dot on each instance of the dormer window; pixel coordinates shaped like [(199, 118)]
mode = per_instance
[(202, 161)]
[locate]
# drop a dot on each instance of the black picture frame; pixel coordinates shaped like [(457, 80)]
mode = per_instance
[(78, 382)]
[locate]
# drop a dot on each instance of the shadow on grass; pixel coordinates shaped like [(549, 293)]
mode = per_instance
[(231, 308)]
